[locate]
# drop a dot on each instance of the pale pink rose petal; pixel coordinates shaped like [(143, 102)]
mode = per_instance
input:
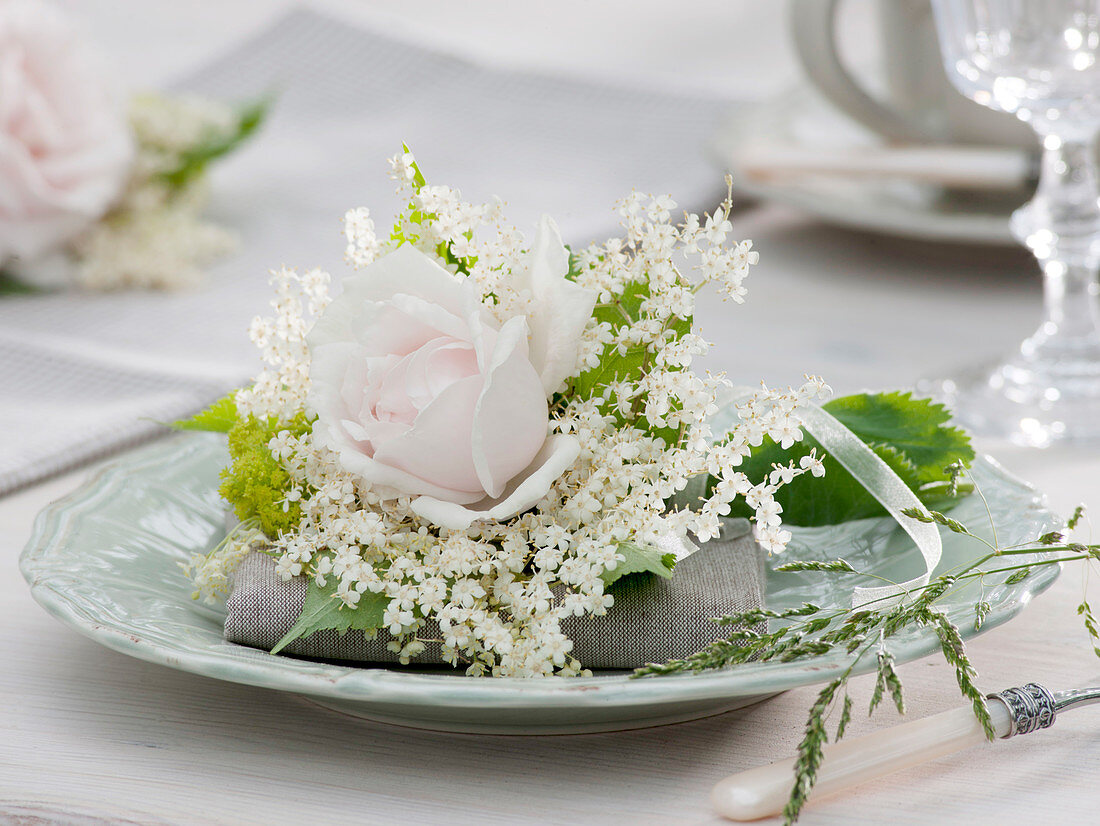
[(556, 456), (418, 378), (329, 370), (408, 322), (405, 271), (441, 367), (65, 143), (561, 308), (383, 330), (511, 415), (369, 431), (421, 392), (437, 447)]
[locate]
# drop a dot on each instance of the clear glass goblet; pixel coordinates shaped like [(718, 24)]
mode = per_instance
[(1038, 59)]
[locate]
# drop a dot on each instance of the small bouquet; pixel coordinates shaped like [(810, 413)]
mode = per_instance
[(486, 437), (90, 194)]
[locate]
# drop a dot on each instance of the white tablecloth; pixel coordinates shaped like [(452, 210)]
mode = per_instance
[(90, 736)]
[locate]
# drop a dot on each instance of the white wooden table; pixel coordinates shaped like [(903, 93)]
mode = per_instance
[(91, 736)]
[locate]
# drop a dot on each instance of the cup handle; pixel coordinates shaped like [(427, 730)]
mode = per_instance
[(813, 27)]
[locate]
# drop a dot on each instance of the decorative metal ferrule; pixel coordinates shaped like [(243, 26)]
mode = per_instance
[(1030, 707)]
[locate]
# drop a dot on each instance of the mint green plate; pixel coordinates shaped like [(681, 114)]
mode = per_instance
[(104, 560)]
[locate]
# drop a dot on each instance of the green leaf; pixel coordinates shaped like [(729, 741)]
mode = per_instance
[(919, 429), (323, 610), (217, 418), (913, 437), (640, 560), (193, 161), (10, 285), (693, 494), (615, 366), (620, 366), (418, 176)]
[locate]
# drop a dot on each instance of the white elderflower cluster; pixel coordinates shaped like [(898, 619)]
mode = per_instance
[(212, 572), (650, 470), (153, 242), (155, 236), (475, 238), (280, 389)]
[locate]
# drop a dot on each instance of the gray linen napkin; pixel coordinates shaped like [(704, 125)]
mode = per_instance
[(652, 620)]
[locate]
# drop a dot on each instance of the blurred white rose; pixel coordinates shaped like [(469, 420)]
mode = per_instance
[(65, 142)]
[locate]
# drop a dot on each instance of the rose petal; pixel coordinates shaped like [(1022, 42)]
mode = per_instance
[(439, 368), (558, 453), (561, 308), (511, 418), (437, 446), (414, 381), (328, 368), (65, 144), (404, 323), (405, 271)]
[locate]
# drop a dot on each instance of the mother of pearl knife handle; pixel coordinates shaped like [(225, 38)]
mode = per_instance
[(763, 791)]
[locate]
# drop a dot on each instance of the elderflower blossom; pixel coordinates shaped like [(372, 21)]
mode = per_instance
[(212, 572), (155, 236), (497, 591)]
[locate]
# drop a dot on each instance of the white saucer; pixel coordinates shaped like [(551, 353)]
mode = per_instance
[(892, 207)]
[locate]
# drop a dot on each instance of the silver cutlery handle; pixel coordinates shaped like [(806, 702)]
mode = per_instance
[(763, 791)]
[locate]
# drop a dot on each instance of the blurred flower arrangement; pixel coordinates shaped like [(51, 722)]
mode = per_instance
[(488, 433), (94, 192)]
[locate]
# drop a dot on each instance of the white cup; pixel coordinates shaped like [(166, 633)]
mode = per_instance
[(920, 105)]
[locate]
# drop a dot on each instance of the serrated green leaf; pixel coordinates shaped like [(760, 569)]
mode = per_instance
[(919, 429), (912, 436), (640, 560), (619, 366), (323, 610), (217, 418)]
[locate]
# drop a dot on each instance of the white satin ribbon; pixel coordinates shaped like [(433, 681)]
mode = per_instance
[(884, 485)]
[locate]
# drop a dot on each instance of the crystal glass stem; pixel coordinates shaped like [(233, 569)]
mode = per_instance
[(1061, 226)]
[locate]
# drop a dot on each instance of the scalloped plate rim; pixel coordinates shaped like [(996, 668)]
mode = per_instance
[(382, 685)]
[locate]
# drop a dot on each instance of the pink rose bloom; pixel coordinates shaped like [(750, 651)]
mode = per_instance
[(65, 144), (422, 393)]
